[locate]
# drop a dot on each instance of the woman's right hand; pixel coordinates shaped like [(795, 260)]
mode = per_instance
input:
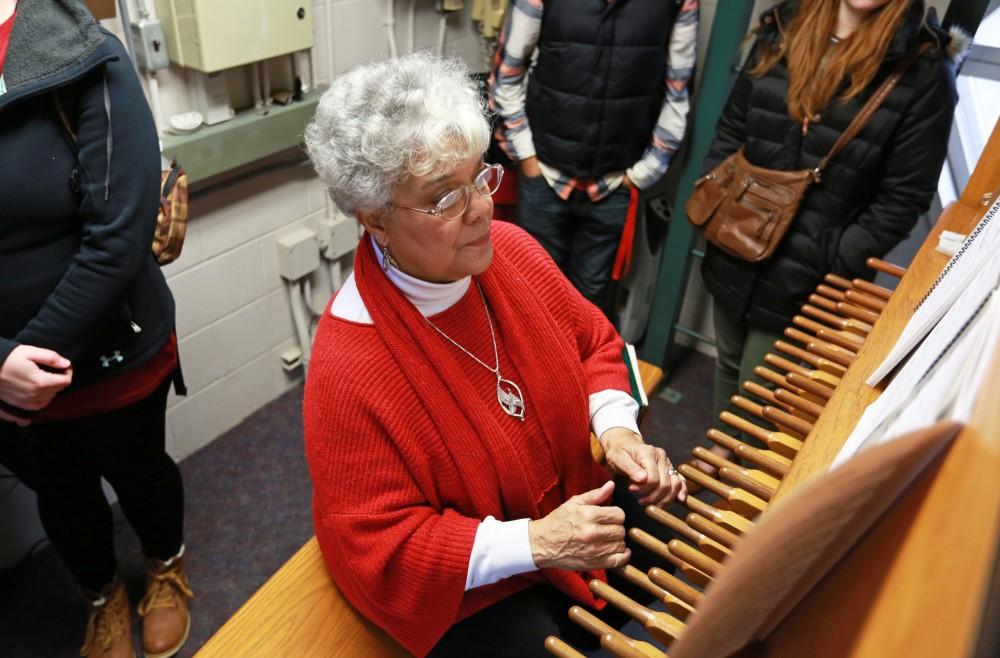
[(25, 384), (581, 534)]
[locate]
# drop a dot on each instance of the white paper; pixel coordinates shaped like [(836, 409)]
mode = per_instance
[(938, 378), (963, 271)]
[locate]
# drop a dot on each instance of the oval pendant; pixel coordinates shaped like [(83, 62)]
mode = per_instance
[(510, 398)]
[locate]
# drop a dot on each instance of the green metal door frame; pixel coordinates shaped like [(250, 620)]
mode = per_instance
[(729, 27)]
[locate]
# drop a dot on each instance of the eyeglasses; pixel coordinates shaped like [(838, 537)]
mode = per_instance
[(453, 204)]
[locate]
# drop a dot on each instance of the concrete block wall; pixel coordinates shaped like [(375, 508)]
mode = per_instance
[(233, 317)]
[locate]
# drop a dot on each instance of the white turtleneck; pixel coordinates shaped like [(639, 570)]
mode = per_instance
[(501, 548)]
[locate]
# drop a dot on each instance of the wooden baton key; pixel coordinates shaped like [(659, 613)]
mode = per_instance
[(784, 444), (693, 556), (713, 530), (857, 312), (871, 289), (885, 267), (825, 303), (876, 304), (675, 586), (617, 646), (775, 464), (560, 649), (595, 626), (844, 324), (810, 386), (800, 403), (785, 427), (663, 627), (776, 379), (674, 604), (742, 502), (814, 360), (717, 551), (760, 392), (838, 281), (755, 481), (654, 545), (792, 425)]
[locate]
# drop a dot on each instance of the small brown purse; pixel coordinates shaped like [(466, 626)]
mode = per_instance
[(171, 219), (745, 210)]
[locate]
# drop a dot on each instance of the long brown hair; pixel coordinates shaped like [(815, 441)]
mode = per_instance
[(815, 72)]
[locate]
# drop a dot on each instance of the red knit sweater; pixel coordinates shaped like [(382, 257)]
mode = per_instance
[(409, 450)]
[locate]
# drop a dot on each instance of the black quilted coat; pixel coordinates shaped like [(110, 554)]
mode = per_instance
[(872, 192)]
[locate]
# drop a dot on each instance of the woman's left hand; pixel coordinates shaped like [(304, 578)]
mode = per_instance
[(653, 476)]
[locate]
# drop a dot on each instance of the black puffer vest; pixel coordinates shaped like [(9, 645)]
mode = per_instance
[(872, 192), (597, 89)]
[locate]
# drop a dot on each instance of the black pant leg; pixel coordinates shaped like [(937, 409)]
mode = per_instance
[(71, 504), (126, 446), (515, 627), (132, 458)]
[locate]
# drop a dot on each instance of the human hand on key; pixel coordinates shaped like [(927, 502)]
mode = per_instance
[(652, 475)]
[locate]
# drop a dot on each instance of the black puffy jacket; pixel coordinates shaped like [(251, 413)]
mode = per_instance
[(872, 192), (77, 220)]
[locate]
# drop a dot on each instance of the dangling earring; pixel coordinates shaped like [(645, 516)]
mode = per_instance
[(387, 259)]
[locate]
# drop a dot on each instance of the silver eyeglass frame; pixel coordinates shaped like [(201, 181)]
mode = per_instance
[(438, 212)]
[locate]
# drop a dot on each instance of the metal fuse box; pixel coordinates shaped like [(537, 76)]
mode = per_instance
[(212, 35)]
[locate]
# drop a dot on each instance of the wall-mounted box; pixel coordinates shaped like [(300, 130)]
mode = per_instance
[(212, 35)]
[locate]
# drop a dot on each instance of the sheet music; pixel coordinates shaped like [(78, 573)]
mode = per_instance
[(938, 393), (963, 271), (971, 385), (938, 379)]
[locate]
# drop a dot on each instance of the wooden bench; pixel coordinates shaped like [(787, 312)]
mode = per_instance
[(300, 612)]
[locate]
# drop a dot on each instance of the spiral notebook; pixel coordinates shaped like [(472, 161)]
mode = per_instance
[(964, 272), (942, 378)]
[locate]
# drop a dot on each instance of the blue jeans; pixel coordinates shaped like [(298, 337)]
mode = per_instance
[(581, 236)]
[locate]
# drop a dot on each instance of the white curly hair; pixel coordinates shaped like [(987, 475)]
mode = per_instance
[(385, 120)]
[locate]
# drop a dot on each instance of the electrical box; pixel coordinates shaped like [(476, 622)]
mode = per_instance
[(212, 35), (150, 45), (338, 235), (298, 254)]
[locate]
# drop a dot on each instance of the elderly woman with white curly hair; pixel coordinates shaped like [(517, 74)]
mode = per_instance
[(452, 385)]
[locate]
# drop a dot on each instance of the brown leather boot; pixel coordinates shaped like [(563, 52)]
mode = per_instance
[(109, 627), (166, 621)]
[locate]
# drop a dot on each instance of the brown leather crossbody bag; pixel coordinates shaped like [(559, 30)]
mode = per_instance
[(745, 210)]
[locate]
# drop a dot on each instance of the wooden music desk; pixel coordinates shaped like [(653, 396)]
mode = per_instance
[(300, 612), (918, 583)]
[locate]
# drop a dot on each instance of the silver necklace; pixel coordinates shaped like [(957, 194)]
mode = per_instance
[(508, 393)]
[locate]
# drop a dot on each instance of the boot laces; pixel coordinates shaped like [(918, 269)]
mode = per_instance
[(104, 626), (165, 591)]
